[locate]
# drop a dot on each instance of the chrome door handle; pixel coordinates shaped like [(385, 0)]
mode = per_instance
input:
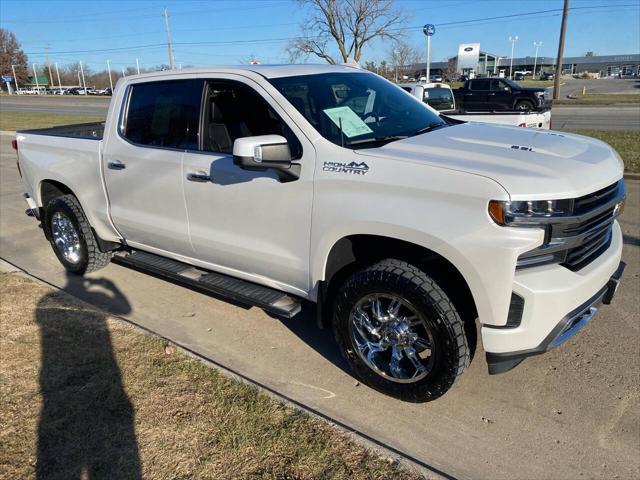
[(491, 94), (116, 165), (200, 176)]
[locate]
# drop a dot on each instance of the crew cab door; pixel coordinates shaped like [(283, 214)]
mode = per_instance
[(500, 95), (143, 163), (476, 96), (251, 224)]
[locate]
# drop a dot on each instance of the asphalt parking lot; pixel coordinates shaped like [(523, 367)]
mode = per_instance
[(572, 413)]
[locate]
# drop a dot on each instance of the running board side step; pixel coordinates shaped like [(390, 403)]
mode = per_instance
[(241, 291)]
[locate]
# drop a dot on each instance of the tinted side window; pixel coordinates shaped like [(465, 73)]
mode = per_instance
[(165, 114), (479, 85), (234, 110)]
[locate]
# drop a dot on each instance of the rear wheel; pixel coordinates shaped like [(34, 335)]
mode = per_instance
[(524, 105), (400, 332), (71, 237)]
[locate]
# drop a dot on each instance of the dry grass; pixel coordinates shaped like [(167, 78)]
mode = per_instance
[(12, 121), (88, 395)]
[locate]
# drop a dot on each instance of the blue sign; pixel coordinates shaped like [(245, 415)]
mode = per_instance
[(429, 30), (7, 78)]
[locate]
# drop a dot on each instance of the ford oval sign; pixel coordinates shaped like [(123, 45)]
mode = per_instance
[(429, 29), (468, 49)]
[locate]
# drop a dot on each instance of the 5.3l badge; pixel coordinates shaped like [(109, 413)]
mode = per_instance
[(342, 167)]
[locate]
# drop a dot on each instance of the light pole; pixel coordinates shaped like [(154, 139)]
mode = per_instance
[(110, 81), (84, 84), (513, 41), (429, 29), (395, 60), (58, 74), (496, 64), (35, 76), (138, 66), (535, 61)]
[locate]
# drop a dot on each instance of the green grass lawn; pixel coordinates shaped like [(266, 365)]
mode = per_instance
[(11, 121), (600, 99), (626, 143)]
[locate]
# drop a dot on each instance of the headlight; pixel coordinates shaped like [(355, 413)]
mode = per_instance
[(531, 213)]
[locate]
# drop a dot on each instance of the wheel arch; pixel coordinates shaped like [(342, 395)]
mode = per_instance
[(353, 252)]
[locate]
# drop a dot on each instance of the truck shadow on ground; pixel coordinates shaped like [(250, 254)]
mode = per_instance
[(86, 425)]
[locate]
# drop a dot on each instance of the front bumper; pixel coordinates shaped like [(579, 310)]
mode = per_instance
[(557, 303)]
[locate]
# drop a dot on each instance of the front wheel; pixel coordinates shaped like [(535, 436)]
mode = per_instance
[(71, 237), (400, 332)]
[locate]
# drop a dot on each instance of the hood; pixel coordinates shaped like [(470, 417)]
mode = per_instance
[(530, 164), (533, 89)]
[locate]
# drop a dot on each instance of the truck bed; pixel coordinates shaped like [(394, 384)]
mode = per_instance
[(87, 131)]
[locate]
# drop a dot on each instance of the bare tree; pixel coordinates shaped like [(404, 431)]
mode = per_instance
[(11, 54), (403, 56), (346, 26)]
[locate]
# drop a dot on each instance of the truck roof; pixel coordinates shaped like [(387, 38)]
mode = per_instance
[(267, 71)]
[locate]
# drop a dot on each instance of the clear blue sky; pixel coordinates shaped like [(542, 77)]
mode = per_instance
[(245, 28)]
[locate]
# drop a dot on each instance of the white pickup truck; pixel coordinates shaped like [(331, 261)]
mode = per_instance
[(278, 184), (440, 97)]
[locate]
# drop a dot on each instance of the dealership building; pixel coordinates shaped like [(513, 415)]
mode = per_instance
[(471, 59)]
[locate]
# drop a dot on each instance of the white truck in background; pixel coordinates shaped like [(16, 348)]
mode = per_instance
[(440, 97), (277, 184)]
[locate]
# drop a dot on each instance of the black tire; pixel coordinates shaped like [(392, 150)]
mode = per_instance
[(91, 258), (524, 105), (450, 346)]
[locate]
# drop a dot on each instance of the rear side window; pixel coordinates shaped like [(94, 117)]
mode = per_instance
[(164, 114), (479, 85)]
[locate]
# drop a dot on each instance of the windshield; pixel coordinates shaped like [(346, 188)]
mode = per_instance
[(357, 109)]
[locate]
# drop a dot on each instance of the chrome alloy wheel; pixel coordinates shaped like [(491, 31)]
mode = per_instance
[(392, 338), (65, 237)]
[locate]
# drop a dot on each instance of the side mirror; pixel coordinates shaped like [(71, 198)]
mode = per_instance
[(265, 152)]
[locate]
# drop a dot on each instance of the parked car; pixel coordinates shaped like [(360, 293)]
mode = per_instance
[(435, 78), (274, 184), (439, 96), (547, 76), (489, 94), (518, 76)]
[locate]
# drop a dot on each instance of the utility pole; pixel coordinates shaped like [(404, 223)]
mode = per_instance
[(535, 61), (513, 41), (15, 79), (50, 74), (110, 81), (35, 76), (563, 31), (84, 84), (138, 66), (166, 29), (58, 75)]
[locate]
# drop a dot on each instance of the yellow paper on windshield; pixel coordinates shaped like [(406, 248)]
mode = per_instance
[(352, 125)]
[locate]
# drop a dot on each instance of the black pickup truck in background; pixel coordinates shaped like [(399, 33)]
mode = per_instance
[(482, 94)]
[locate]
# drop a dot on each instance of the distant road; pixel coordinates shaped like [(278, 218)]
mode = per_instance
[(597, 118), (563, 116), (70, 105)]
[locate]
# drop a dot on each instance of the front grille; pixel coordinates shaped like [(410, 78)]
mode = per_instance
[(594, 200), (578, 239)]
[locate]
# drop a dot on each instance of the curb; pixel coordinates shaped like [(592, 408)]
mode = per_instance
[(632, 176)]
